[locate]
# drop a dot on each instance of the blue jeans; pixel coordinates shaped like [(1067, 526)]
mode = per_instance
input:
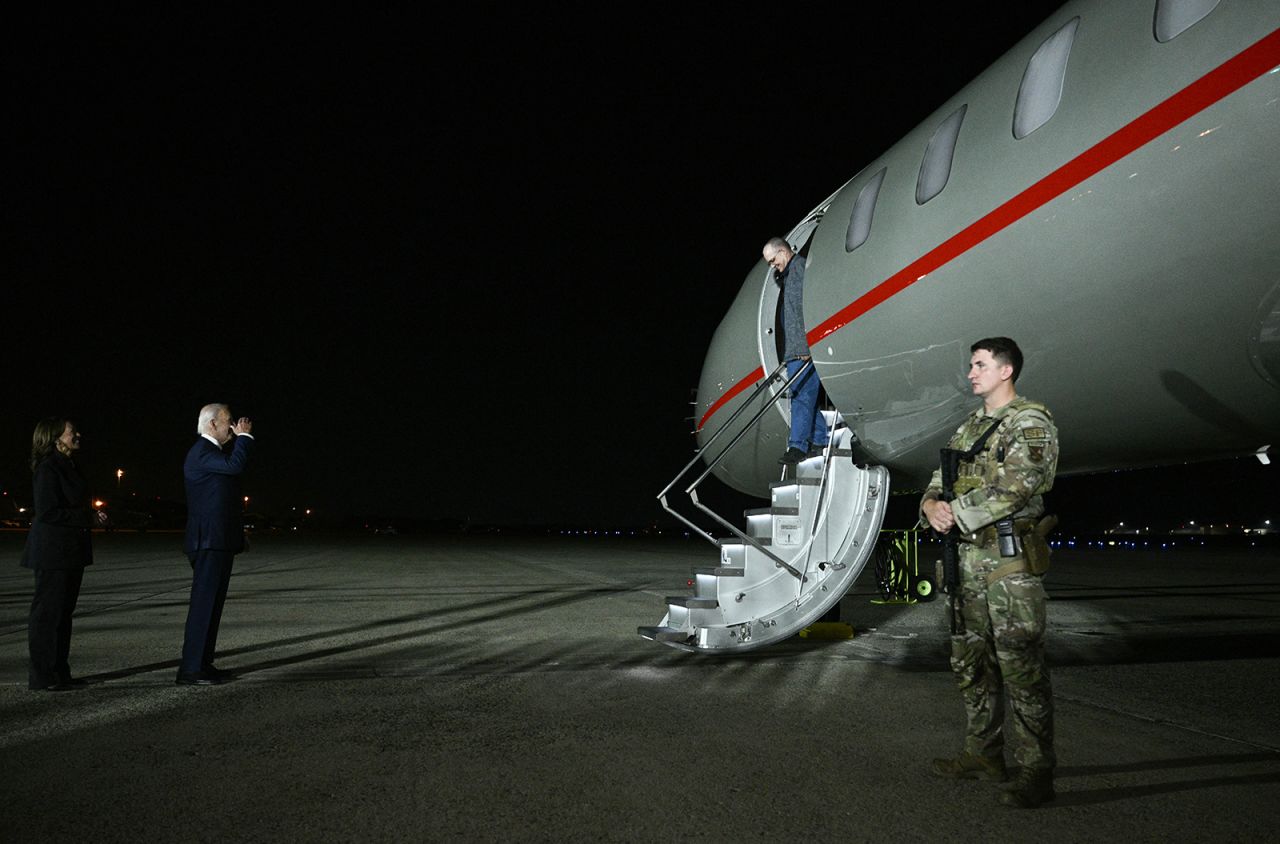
[(808, 427)]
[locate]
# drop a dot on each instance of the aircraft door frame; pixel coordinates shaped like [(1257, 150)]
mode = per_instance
[(769, 314)]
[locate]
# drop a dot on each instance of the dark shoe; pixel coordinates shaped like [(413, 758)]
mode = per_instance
[(215, 671), (816, 451), (199, 678), (55, 684), (1029, 789), (966, 766), (792, 457)]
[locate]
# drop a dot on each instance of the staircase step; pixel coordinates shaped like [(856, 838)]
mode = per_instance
[(722, 571), (836, 451), (763, 540), (800, 481), (664, 634), (692, 603), (743, 600)]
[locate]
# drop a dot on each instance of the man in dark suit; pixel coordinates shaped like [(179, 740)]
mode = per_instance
[(215, 533)]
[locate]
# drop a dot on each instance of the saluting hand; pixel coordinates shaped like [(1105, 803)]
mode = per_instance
[(242, 426)]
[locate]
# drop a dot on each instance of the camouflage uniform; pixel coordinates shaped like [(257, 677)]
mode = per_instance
[(1001, 646)]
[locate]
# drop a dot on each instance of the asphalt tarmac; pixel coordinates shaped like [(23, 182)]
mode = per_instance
[(395, 688)]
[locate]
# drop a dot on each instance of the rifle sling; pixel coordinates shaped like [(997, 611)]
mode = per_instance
[(982, 440)]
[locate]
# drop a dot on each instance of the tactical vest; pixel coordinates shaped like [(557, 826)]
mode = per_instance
[(982, 470)]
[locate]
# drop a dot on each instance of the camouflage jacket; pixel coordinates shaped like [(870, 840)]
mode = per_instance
[(1012, 472)]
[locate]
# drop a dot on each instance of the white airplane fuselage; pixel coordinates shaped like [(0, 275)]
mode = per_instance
[(1130, 245)]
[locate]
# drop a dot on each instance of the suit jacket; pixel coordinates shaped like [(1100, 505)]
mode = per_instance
[(59, 535), (214, 501)]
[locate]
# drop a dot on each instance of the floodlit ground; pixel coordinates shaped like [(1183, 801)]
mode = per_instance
[(453, 688)]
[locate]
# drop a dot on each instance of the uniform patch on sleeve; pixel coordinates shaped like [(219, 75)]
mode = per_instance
[(1035, 433)]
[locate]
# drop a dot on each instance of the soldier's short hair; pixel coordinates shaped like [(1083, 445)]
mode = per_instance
[(1003, 350)]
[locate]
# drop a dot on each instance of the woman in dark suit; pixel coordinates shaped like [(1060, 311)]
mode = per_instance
[(58, 549)]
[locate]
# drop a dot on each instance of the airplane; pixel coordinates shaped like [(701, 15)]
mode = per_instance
[(1105, 194)]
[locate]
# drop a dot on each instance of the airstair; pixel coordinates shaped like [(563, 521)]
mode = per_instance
[(794, 560)]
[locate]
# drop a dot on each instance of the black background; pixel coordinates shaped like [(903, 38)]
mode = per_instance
[(454, 266)]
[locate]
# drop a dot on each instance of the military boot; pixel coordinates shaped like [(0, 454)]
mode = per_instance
[(967, 766), (1030, 788)]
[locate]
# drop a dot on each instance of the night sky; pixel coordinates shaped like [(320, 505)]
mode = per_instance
[(454, 267)]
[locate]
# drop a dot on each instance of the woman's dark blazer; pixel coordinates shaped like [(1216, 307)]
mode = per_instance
[(59, 535)]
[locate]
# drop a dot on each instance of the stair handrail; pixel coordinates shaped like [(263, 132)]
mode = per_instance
[(822, 493), (662, 496), (691, 491)]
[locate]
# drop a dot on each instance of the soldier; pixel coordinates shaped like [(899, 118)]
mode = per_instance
[(998, 645)]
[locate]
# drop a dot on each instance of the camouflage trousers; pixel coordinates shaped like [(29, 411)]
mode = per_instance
[(998, 650)]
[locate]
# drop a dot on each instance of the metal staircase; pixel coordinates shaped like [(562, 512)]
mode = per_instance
[(794, 561)]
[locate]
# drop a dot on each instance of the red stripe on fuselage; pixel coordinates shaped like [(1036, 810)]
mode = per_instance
[(733, 391), (1224, 80)]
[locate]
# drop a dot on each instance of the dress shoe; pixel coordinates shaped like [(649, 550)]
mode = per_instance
[(815, 451), (73, 682), (198, 678), (215, 671)]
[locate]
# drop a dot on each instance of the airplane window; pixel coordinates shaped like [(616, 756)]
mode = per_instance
[(1041, 89), (1174, 17), (936, 167), (863, 208)]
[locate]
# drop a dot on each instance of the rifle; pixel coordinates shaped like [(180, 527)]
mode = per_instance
[(951, 459)]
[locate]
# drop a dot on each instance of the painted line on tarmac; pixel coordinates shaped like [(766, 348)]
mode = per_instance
[(1165, 722)]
